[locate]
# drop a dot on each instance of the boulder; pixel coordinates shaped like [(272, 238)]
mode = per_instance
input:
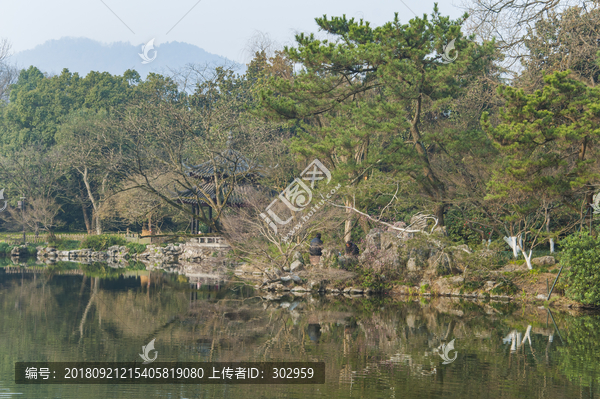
[(296, 266), (411, 265), (421, 254), (381, 249), (292, 277), (373, 240), (297, 256), (388, 241), (543, 261), (300, 289), (19, 251)]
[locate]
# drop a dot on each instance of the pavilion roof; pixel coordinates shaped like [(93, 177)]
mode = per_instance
[(228, 163), (197, 195)]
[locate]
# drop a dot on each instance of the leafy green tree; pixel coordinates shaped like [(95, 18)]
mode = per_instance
[(581, 256), (80, 140), (372, 97), (549, 142), (39, 104)]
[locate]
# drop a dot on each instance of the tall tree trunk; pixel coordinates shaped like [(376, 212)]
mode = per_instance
[(589, 195), (348, 222), (96, 214), (433, 186), (589, 213), (547, 211), (86, 219), (439, 214)]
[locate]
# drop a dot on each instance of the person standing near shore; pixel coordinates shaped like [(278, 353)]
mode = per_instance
[(351, 249), (316, 246)]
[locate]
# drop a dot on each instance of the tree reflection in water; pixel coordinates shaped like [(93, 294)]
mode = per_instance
[(375, 347)]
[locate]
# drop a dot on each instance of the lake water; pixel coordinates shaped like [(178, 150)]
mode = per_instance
[(372, 347)]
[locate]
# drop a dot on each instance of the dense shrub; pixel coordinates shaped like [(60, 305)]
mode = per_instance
[(581, 257), (31, 250), (136, 248), (506, 287), (4, 248), (101, 242), (63, 244)]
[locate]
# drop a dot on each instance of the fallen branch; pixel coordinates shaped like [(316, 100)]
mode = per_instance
[(400, 229)]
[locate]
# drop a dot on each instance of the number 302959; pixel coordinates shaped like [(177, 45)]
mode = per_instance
[(304, 372)]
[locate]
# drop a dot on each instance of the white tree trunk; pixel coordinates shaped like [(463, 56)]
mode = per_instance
[(348, 222), (512, 242), (548, 231), (528, 258)]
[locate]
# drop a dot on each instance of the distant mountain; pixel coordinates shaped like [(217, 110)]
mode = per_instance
[(84, 55)]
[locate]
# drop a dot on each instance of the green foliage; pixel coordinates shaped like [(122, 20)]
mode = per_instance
[(581, 258), (506, 287), (31, 250), (368, 278), (135, 265), (135, 248), (359, 101), (63, 244), (564, 114), (101, 242), (38, 104), (470, 286), (4, 248), (459, 230), (376, 281), (581, 352)]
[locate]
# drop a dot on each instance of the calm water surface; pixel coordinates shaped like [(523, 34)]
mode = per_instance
[(373, 348)]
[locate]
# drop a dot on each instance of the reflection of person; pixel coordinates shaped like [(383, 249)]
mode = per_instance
[(316, 245), (351, 249)]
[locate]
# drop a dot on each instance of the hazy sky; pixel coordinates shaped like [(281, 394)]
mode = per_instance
[(220, 27)]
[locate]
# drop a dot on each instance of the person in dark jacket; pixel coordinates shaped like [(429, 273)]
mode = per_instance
[(316, 245), (351, 249)]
